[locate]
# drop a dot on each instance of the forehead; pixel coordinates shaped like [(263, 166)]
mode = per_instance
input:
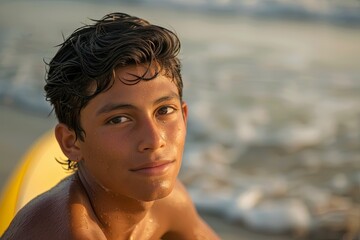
[(142, 80), (128, 89), (133, 73)]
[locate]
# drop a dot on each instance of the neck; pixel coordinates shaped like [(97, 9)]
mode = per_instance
[(118, 215)]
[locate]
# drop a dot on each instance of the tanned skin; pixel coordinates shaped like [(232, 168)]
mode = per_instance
[(126, 184)]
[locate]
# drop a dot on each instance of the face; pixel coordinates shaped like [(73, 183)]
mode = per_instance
[(134, 136)]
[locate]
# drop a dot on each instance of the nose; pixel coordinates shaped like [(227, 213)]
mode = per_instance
[(152, 136)]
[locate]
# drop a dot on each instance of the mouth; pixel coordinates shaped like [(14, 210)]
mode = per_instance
[(154, 168)]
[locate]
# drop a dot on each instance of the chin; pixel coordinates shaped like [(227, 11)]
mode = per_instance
[(157, 191)]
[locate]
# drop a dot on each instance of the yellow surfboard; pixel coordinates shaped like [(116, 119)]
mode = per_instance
[(37, 172)]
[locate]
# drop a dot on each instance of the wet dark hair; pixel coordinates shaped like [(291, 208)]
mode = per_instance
[(89, 56)]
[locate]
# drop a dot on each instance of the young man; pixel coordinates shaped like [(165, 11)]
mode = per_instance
[(116, 89)]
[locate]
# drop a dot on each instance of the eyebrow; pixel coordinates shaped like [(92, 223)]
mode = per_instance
[(112, 107), (117, 106), (169, 97)]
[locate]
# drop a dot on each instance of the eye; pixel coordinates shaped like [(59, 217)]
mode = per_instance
[(165, 110), (118, 120)]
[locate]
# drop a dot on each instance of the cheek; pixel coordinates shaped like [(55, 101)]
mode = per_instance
[(105, 162), (178, 135), (102, 152), (94, 158)]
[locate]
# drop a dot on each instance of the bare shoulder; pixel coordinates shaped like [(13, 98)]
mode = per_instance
[(44, 217), (63, 212), (178, 213)]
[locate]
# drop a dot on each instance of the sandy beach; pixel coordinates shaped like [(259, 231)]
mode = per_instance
[(18, 131)]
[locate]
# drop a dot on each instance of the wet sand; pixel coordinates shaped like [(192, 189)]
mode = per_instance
[(18, 131)]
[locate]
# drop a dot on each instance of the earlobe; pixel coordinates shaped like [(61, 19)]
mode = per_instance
[(68, 142)]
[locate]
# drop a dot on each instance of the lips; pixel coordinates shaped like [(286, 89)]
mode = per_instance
[(154, 168)]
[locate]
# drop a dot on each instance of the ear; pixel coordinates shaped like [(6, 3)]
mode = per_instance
[(184, 112), (68, 142)]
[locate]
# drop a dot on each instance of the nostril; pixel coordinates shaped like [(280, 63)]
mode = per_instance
[(152, 142), (151, 134)]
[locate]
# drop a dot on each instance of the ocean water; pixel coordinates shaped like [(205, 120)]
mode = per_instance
[(273, 88)]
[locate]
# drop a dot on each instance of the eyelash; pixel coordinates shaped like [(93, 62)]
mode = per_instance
[(115, 120), (112, 122), (172, 110)]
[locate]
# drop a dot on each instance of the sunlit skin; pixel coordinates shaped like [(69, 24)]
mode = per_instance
[(126, 185), (134, 137)]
